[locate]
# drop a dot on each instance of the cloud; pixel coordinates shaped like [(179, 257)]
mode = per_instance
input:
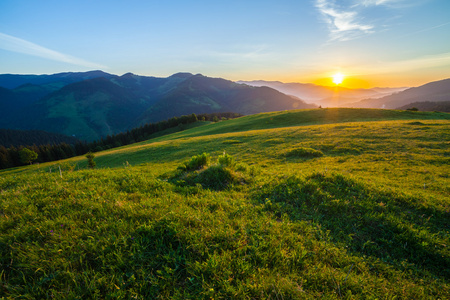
[(389, 3), (14, 44), (376, 2), (346, 20), (343, 23)]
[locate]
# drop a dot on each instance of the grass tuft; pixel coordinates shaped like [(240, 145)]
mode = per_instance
[(303, 152), (196, 162), (223, 175)]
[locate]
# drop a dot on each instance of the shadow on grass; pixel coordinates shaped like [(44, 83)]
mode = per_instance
[(394, 228), (160, 260)]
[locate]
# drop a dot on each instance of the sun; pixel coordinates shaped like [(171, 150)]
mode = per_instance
[(338, 78)]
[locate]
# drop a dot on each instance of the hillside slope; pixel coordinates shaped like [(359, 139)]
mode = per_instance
[(200, 94), (88, 109), (353, 208)]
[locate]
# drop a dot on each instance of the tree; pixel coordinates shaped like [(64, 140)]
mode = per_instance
[(27, 156), (5, 161), (91, 163)]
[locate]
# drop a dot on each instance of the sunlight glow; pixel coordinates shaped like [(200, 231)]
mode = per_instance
[(338, 78)]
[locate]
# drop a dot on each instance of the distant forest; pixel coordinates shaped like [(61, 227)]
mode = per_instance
[(442, 106), (13, 137), (10, 157)]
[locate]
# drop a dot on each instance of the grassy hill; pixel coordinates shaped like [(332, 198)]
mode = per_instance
[(325, 203)]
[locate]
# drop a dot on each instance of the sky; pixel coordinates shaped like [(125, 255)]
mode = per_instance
[(384, 43)]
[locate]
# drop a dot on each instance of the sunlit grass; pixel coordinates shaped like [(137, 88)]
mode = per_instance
[(366, 219)]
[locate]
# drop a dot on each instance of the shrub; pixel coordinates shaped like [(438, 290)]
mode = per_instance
[(416, 123), (216, 177), (196, 162), (304, 153), (222, 175), (226, 160)]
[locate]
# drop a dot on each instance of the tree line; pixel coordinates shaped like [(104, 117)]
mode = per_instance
[(16, 137), (18, 156)]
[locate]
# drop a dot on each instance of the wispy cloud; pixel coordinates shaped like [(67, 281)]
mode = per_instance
[(388, 3), (343, 23), (346, 19), (14, 44), (377, 2)]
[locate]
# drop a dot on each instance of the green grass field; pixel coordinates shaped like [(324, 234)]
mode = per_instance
[(325, 203)]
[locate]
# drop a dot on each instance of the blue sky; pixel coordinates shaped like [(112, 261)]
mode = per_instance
[(372, 42)]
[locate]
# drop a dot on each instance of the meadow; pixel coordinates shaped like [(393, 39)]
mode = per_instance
[(306, 204)]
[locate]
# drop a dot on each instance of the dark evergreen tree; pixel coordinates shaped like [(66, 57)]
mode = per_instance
[(5, 161), (91, 163)]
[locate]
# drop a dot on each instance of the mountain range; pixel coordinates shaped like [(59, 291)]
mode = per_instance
[(436, 91), (431, 96), (92, 105), (95, 104), (325, 95)]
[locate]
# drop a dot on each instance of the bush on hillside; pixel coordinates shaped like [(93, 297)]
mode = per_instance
[(196, 162), (215, 177), (226, 160), (224, 174), (415, 123)]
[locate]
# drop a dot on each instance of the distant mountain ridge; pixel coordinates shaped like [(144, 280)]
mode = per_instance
[(390, 98), (12, 81), (95, 104), (436, 91), (324, 95)]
